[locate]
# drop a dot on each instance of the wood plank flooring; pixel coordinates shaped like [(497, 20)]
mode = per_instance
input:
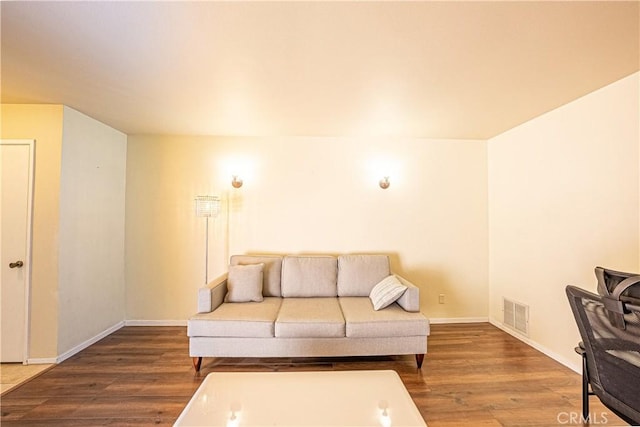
[(474, 374)]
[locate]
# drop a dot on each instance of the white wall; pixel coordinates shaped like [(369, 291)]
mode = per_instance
[(312, 195), (563, 198), (91, 243)]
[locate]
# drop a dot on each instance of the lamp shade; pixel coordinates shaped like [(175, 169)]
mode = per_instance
[(207, 206)]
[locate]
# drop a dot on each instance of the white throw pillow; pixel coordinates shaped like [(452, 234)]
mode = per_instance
[(387, 291), (244, 283)]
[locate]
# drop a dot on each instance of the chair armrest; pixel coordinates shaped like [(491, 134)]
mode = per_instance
[(212, 294), (410, 300)]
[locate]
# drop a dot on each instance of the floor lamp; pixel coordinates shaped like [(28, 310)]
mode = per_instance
[(207, 207)]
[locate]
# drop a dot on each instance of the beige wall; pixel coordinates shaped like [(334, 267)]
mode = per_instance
[(44, 124), (563, 198), (306, 195), (91, 257)]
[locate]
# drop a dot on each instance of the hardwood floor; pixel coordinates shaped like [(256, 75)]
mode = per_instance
[(474, 374)]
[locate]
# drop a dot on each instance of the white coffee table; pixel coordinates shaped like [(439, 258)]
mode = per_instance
[(322, 398)]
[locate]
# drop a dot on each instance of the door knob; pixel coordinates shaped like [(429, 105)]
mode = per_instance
[(16, 264)]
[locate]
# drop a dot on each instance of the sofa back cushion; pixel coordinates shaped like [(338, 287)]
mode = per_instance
[(270, 274), (309, 276), (358, 274)]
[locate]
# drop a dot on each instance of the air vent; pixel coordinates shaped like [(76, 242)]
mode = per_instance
[(516, 316)]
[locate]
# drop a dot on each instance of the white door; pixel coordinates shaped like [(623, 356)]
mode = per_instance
[(16, 162)]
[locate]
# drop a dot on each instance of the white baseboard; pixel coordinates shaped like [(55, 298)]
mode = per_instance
[(575, 366), (458, 320), (42, 361), (155, 323), (77, 349)]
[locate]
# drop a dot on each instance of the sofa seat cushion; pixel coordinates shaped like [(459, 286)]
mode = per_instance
[(310, 318), (245, 319), (362, 321)]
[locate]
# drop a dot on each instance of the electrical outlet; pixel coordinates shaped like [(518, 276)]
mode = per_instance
[(441, 299)]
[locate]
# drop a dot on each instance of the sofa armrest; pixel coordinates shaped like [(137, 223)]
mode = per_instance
[(212, 294), (410, 300)]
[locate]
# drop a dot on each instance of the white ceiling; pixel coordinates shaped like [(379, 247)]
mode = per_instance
[(419, 69)]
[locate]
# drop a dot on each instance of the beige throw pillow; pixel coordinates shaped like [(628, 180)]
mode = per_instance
[(244, 283), (387, 291)]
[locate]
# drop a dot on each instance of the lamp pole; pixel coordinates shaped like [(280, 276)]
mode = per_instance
[(206, 253), (207, 206)]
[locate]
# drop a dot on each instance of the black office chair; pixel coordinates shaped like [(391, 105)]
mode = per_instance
[(613, 286), (611, 352)]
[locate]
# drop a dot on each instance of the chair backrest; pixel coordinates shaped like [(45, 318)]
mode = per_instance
[(608, 279), (613, 354), (620, 293)]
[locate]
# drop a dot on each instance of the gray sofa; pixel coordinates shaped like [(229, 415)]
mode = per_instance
[(307, 306)]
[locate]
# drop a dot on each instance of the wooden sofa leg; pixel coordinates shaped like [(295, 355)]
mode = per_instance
[(419, 360), (197, 361)]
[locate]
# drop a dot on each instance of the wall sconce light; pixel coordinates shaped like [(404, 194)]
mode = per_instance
[(236, 182), (384, 183)]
